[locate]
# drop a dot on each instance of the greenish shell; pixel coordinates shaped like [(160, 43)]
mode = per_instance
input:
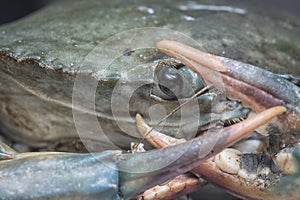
[(41, 55)]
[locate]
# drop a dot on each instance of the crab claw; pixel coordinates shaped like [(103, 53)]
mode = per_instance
[(255, 87), (49, 175), (226, 167), (141, 171)]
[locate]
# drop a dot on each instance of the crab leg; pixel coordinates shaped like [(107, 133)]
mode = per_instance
[(192, 153), (223, 171), (110, 174)]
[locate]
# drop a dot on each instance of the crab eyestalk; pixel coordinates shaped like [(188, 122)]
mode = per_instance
[(136, 170)]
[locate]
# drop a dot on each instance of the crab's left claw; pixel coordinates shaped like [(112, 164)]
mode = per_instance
[(110, 174), (258, 89), (137, 170)]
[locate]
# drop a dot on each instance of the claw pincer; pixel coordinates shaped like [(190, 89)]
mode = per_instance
[(255, 87), (110, 174)]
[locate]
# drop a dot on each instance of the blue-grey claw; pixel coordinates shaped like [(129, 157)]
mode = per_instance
[(110, 174), (137, 172)]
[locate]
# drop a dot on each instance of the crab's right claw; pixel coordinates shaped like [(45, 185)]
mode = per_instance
[(257, 88)]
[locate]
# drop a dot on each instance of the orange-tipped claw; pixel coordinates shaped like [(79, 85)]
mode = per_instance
[(226, 137), (232, 133), (255, 87)]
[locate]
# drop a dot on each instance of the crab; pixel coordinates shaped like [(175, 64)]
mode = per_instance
[(41, 56)]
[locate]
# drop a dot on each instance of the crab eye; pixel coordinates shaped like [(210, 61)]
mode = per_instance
[(170, 82), (173, 81)]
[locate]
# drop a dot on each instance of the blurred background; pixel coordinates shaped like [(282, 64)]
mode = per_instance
[(11, 10)]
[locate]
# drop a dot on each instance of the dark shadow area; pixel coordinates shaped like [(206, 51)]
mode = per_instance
[(14, 9)]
